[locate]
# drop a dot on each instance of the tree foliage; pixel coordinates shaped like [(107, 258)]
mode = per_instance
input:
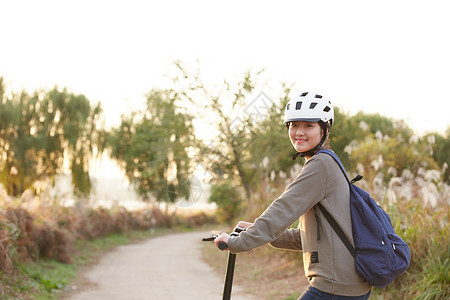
[(227, 156), (242, 143), (228, 200), (271, 137), (39, 131), (153, 145), (352, 129), (382, 154), (43, 131)]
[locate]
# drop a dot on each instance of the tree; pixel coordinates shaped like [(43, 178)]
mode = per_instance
[(353, 129), (228, 154), (228, 200), (38, 131), (271, 137), (380, 154), (153, 147)]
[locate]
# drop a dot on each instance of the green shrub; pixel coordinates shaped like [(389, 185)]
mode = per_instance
[(228, 200)]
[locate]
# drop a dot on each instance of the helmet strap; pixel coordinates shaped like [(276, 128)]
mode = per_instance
[(312, 151)]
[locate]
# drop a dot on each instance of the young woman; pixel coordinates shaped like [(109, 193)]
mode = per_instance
[(328, 264)]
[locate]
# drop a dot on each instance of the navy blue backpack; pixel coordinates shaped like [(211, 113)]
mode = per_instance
[(380, 254)]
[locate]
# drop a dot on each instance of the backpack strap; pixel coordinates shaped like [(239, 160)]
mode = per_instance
[(336, 158), (338, 230), (328, 216)]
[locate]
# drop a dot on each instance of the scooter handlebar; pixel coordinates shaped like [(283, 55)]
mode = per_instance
[(222, 245)]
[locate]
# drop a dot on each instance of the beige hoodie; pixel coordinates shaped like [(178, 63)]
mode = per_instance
[(328, 264)]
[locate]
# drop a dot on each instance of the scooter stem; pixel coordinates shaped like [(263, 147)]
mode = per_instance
[(229, 276), (230, 268)]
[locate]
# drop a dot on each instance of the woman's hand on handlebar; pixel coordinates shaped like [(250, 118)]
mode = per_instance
[(222, 238), (221, 241)]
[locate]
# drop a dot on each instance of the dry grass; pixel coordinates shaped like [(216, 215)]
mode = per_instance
[(264, 273)]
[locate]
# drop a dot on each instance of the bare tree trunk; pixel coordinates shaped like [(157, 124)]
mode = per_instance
[(242, 176)]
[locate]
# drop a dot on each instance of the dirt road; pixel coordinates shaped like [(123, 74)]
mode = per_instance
[(167, 267)]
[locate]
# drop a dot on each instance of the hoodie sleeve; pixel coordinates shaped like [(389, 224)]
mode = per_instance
[(301, 195), (289, 239)]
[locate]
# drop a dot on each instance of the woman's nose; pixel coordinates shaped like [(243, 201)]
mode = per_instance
[(298, 131)]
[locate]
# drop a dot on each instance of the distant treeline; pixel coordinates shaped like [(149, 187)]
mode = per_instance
[(44, 131)]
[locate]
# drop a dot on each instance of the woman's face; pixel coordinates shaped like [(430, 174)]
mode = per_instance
[(304, 135)]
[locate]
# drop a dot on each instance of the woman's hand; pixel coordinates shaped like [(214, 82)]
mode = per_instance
[(244, 224), (222, 238), (225, 237)]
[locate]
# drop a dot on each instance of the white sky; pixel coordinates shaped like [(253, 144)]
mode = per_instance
[(391, 57)]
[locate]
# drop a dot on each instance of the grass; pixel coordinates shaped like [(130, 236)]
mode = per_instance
[(47, 277), (50, 279), (264, 272)]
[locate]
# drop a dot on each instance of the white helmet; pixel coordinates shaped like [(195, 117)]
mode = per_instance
[(309, 107)]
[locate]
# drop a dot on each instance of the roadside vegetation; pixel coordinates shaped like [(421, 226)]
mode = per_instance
[(245, 157), (43, 251)]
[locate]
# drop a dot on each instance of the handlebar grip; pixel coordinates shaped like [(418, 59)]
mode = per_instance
[(222, 245), (239, 229)]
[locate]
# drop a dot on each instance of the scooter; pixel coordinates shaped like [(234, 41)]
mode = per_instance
[(230, 263)]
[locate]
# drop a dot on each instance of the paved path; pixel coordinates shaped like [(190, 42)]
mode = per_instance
[(166, 267)]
